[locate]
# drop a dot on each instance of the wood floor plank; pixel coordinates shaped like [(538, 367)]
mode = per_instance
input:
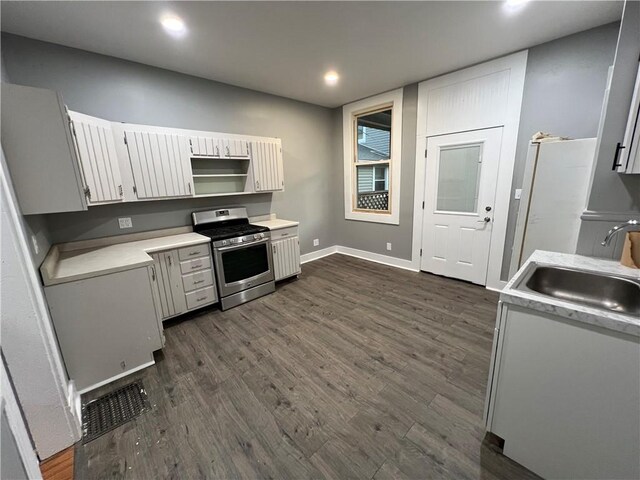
[(355, 370)]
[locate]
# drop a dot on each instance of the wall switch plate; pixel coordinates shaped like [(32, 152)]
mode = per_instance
[(34, 241), (316, 242), (125, 222), (518, 194), (388, 245)]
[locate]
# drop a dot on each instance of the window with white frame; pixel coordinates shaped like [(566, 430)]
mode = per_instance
[(372, 132)]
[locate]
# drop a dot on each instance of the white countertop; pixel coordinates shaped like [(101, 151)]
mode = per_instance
[(275, 223), (78, 260), (621, 322)]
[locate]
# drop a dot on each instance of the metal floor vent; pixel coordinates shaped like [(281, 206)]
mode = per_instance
[(109, 411)]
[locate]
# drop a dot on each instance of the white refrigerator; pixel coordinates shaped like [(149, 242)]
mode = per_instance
[(554, 195)]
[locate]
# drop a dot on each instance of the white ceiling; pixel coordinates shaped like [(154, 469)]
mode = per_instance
[(285, 48)]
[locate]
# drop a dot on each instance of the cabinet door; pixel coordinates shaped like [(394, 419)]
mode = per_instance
[(160, 164), (206, 146), (98, 158), (106, 326), (267, 165), (39, 150), (169, 294), (286, 257), (235, 148)]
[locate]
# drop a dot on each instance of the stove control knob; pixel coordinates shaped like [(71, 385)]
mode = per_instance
[(224, 242), (241, 239), (256, 236)]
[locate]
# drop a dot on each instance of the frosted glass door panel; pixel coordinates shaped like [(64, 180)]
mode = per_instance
[(459, 178)]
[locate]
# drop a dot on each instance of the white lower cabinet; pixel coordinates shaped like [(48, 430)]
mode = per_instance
[(106, 326), (565, 396), (179, 286), (286, 257)]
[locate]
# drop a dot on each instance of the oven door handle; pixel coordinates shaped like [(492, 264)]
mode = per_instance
[(241, 245)]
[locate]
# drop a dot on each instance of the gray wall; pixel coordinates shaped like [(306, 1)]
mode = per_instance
[(563, 92), (373, 237), (34, 225), (119, 90), (11, 467)]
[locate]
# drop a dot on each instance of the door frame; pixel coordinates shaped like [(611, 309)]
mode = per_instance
[(509, 120)]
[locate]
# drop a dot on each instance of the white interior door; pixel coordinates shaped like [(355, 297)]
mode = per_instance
[(460, 187)]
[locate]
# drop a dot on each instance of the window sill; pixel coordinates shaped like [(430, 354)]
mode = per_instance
[(388, 218)]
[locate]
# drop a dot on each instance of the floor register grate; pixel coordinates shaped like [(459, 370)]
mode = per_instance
[(109, 411)]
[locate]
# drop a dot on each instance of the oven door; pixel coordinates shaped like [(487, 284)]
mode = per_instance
[(243, 266)]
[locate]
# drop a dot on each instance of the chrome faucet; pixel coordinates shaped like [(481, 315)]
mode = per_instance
[(629, 224)]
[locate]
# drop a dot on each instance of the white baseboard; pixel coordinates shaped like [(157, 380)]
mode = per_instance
[(325, 252), (363, 254), (116, 377), (376, 257)]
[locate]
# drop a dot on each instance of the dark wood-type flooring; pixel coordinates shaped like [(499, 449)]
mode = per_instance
[(355, 370)]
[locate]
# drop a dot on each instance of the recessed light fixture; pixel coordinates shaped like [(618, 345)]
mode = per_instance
[(513, 5), (173, 25), (331, 78)]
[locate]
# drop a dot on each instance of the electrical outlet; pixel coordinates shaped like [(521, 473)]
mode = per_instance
[(125, 222), (518, 194), (34, 241), (316, 242), (388, 245)]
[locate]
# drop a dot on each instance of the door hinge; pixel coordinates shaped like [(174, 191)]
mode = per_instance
[(423, 204), (73, 128), (425, 153), (87, 192), (120, 190), (125, 140), (191, 146), (420, 252), (135, 190)]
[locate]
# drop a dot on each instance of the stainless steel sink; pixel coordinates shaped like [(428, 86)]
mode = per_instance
[(607, 292)]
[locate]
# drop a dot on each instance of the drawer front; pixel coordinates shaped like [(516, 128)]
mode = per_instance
[(195, 251), (200, 297), (195, 265), (197, 280), (284, 233)]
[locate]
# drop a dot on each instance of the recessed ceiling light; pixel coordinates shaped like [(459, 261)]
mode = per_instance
[(174, 25), (331, 78), (515, 4)]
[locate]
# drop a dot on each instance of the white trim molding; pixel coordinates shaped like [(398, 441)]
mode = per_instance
[(394, 99), (363, 254), (311, 256), (507, 116)]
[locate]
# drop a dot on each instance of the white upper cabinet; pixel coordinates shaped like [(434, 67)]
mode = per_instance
[(617, 131), (40, 152), (218, 147), (98, 159), (159, 163), (630, 161), (267, 165)]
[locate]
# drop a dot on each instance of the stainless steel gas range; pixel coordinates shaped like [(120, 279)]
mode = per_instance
[(241, 254)]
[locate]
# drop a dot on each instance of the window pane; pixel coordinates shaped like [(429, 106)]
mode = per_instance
[(372, 194), (374, 136), (458, 178)]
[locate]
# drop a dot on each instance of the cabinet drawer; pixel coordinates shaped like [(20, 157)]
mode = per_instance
[(196, 264), (200, 297), (200, 279), (195, 251), (284, 233)]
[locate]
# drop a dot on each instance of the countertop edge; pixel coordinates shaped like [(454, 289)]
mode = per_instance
[(53, 258), (618, 322)]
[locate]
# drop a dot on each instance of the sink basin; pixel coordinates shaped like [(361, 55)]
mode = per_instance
[(607, 292)]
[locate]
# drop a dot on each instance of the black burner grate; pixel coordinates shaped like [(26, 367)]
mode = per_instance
[(109, 411)]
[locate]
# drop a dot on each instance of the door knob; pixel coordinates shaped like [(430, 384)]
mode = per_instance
[(484, 220)]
